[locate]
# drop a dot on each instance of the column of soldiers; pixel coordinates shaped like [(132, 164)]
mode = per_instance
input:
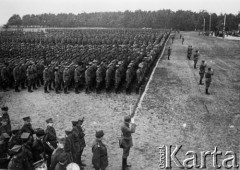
[(202, 69), (28, 148), (76, 66)]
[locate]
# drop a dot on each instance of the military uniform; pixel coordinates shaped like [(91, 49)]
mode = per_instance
[(66, 80), (99, 150), (189, 52), (46, 79), (169, 52), (195, 59), (5, 77), (57, 80), (77, 78), (208, 79), (16, 76), (69, 146), (126, 139), (30, 77), (202, 72), (38, 149)]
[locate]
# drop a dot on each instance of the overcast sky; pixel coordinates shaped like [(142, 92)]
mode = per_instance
[(22, 7)]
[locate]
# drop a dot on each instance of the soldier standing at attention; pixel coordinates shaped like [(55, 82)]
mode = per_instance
[(50, 140), (5, 115), (29, 77), (46, 79), (195, 59), (169, 52), (66, 77), (182, 40), (77, 74), (27, 127), (127, 129), (57, 80), (99, 150), (16, 76), (202, 71), (5, 77), (208, 79)]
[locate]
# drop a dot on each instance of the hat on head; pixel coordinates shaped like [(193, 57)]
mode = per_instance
[(68, 131), (5, 108), (40, 132), (127, 118), (27, 118), (99, 134), (16, 148), (50, 120), (25, 135), (74, 123)]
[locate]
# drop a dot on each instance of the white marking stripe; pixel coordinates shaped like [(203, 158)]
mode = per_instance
[(149, 80)]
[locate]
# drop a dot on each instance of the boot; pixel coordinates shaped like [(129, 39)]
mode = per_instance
[(45, 90), (207, 92), (76, 91), (34, 87), (16, 89), (29, 89), (127, 164), (65, 91)]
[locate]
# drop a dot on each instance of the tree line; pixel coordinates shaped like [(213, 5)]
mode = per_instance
[(166, 18)]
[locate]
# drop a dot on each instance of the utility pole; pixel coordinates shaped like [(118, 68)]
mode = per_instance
[(224, 23), (203, 25)]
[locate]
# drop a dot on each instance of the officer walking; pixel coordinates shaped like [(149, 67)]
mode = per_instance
[(99, 150), (202, 71), (208, 79), (169, 52), (195, 59)]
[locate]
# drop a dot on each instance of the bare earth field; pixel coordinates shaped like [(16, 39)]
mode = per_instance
[(173, 98)]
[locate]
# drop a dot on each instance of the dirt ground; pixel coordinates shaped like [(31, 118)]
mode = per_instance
[(174, 98)]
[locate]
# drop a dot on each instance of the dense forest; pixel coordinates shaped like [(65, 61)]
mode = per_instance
[(183, 20)]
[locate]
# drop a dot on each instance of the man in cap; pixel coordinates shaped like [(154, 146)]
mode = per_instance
[(66, 79), (16, 76), (50, 140), (5, 115), (57, 80), (27, 127), (195, 58), (5, 76), (46, 79), (126, 140), (169, 52), (99, 150), (202, 71), (69, 145), (38, 147), (208, 79)]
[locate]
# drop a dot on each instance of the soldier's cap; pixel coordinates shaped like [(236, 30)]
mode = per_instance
[(16, 148), (5, 108), (39, 132), (68, 131), (63, 158), (50, 120), (25, 135), (99, 134), (27, 118), (127, 118), (74, 123), (15, 131), (5, 135)]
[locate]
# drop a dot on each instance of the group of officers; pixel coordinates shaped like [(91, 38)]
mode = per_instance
[(34, 149), (76, 67), (202, 69)]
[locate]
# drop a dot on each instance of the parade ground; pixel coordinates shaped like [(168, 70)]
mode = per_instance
[(174, 111)]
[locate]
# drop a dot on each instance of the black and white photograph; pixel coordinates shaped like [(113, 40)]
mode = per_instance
[(119, 84)]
